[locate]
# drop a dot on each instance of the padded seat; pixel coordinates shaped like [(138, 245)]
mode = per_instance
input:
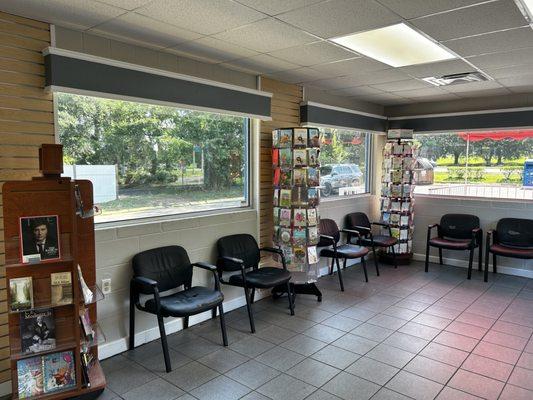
[(451, 244), (349, 251), (514, 252), (262, 278), (379, 240), (187, 302)]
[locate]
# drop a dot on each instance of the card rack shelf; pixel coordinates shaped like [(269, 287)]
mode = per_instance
[(51, 194), (397, 202)]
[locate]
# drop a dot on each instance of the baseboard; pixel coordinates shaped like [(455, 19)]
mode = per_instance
[(455, 262), (5, 388), (110, 349)]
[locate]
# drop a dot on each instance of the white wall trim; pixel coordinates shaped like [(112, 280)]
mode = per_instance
[(454, 114), (464, 264), (154, 71), (346, 110), (457, 197)]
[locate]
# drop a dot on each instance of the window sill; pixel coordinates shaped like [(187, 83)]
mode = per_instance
[(172, 217), (340, 198)]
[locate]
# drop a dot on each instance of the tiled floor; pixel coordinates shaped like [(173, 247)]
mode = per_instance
[(405, 334)]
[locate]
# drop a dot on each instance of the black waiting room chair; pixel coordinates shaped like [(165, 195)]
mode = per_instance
[(167, 268), (359, 221), (456, 232), (330, 236), (512, 238), (241, 254)]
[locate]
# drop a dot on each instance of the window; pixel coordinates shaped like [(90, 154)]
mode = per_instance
[(476, 164), (148, 160), (343, 159)]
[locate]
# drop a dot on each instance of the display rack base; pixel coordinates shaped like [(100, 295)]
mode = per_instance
[(299, 288), (401, 259)]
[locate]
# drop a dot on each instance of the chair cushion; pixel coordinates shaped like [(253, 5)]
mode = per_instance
[(451, 244), (262, 278), (345, 251), (513, 252), (379, 240), (187, 302)]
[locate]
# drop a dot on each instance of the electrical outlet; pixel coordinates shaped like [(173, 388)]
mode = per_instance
[(106, 286)]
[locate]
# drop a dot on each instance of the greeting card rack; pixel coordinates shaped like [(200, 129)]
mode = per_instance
[(295, 153), (399, 158), (78, 371)]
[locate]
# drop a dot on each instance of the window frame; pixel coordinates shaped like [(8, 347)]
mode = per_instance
[(247, 187)]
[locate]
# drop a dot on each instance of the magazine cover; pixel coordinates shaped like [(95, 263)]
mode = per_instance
[(275, 198), (275, 157), (285, 235), (21, 293), (299, 176), (59, 371), (299, 235), (39, 238), (395, 219), (285, 178), (285, 217), (277, 176), (312, 157), (275, 212), (275, 138), (312, 232), (404, 220), (285, 138), (300, 137), (287, 252), (299, 255), (312, 194), (312, 256), (37, 331), (300, 218), (61, 288), (299, 196), (30, 377), (313, 177), (285, 157), (299, 158), (314, 137), (312, 216), (285, 198)]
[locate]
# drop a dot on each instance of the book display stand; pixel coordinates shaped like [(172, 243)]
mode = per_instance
[(295, 153), (399, 158), (52, 295)]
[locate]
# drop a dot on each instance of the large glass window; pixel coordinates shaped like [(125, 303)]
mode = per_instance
[(343, 160), (146, 160), (476, 164)]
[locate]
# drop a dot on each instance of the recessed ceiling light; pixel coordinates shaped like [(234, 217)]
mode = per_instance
[(396, 45)]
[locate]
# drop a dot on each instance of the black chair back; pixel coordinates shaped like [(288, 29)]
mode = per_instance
[(357, 219), (458, 226), (243, 246), (328, 227), (169, 266), (515, 232)]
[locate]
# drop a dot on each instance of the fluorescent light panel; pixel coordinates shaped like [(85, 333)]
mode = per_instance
[(396, 45)]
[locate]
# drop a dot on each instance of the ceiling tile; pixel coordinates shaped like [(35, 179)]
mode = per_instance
[(483, 18), (517, 81), (339, 17), (484, 93), (386, 99), (141, 29), (440, 97), (262, 63), (417, 8), (437, 69), (506, 59), (274, 7), (351, 67), (298, 75), (126, 4), (212, 50), (472, 87), (80, 14), (313, 53), (418, 93), (355, 91), (266, 35), (410, 84), (376, 77), (203, 16), (509, 72), (492, 42), (528, 89), (340, 82)]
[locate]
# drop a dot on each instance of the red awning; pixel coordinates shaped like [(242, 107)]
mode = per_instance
[(497, 135)]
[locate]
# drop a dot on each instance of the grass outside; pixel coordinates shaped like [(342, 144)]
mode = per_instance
[(487, 178), (479, 162)]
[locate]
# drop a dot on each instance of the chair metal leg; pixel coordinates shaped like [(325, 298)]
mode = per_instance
[(249, 308), (396, 261), (331, 268), (289, 295), (480, 254), (440, 256), (486, 273), (340, 275), (427, 257), (494, 265), (132, 324), (252, 296), (185, 322), (363, 262), (213, 313), (470, 262), (375, 260), (164, 342), (223, 325)]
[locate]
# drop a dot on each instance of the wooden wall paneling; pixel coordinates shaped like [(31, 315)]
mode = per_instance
[(286, 99), (26, 121)]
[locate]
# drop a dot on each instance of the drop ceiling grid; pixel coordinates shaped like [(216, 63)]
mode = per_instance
[(288, 39)]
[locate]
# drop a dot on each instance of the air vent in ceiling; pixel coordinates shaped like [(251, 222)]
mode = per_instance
[(456, 79)]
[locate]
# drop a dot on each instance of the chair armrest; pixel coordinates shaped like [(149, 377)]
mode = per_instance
[(232, 260), (146, 284), (209, 267), (430, 227), (477, 236), (363, 228), (352, 232), (491, 234), (327, 237)]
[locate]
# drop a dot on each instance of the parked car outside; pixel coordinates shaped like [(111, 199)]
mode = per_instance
[(336, 176)]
